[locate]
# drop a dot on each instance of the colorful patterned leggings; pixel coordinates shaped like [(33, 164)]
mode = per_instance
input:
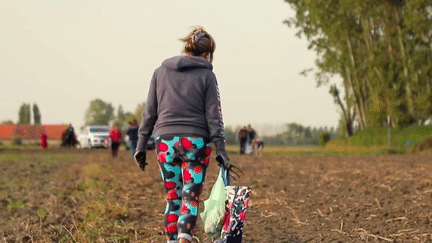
[(183, 163)]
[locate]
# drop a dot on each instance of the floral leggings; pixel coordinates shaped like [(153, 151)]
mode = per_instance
[(183, 163)]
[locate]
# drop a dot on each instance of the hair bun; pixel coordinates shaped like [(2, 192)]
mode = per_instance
[(197, 42)]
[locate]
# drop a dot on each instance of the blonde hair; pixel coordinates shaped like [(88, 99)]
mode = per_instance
[(198, 42)]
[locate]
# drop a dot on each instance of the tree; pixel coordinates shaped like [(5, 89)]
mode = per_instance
[(324, 138), (346, 112), (294, 133), (99, 113), (36, 114), (121, 117), (308, 133), (139, 112), (230, 135), (298, 135), (24, 114), (7, 122), (381, 49), (129, 116)]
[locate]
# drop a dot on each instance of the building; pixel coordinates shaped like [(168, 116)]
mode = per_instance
[(31, 132)]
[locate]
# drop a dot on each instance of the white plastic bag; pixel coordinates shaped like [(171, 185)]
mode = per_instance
[(249, 149), (214, 208)]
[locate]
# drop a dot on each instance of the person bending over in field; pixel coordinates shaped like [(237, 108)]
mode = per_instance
[(183, 109)]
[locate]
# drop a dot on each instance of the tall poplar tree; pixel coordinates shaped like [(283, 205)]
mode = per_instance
[(139, 111), (382, 51), (36, 114), (121, 117), (24, 114)]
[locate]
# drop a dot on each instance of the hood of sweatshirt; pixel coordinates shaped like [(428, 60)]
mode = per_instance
[(180, 63)]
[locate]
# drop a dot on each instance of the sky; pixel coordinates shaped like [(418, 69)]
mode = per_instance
[(63, 54)]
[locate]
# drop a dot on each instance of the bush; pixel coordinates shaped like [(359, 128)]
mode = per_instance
[(16, 141), (324, 138)]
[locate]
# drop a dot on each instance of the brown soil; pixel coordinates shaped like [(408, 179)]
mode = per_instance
[(85, 196)]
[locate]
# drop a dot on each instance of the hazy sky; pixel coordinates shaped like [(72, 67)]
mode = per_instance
[(63, 54)]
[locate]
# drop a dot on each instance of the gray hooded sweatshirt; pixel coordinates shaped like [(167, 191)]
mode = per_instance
[(183, 99)]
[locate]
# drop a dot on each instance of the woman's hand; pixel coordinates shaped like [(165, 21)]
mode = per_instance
[(224, 162), (140, 159)]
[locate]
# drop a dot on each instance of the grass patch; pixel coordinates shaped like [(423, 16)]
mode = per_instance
[(371, 141), (322, 152), (119, 239), (15, 204), (329, 149), (63, 155), (400, 139), (11, 157), (42, 212)]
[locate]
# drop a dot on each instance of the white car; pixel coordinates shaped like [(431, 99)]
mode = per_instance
[(94, 137)]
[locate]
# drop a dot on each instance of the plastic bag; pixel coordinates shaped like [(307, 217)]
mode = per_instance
[(249, 148), (214, 206)]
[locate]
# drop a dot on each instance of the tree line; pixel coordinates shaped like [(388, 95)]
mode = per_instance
[(382, 49), (293, 135), (25, 114), (100, 112), (298, 135)]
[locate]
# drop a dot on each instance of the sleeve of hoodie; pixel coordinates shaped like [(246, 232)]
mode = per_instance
[(214, 115), (149, 117)]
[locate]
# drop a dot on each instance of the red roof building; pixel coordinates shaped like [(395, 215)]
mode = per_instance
[(25, 131), (55, 131), (6, 131)]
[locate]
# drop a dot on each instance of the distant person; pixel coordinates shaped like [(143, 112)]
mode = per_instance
[(65, 136), (132, 133), (115, 135), (63, 139), (251, 134), (44, 140), (258, 146), (242, 137), (69, 137), (183, 108)]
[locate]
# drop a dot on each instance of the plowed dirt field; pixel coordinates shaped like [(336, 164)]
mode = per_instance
[(85, 196)]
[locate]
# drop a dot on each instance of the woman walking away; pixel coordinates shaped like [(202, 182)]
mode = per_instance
[(115, 135), (183, 109)]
